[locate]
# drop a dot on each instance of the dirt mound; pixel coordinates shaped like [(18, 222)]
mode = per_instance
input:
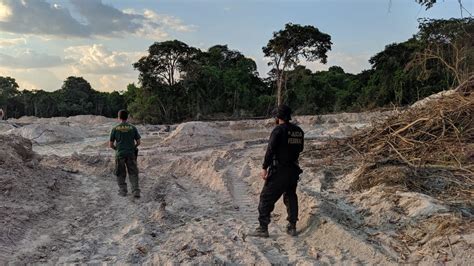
[(49, 133), (27, 191), (195, 134), (5, 126), (14, 150)]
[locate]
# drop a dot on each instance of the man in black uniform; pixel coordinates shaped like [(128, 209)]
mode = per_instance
[(281, 172)]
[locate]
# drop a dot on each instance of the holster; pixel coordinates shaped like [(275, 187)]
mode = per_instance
[(273, 167)]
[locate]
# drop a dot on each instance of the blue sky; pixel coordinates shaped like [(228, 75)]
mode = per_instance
[(44, 41)]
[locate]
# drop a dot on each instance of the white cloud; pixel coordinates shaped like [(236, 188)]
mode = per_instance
[(157, 26), (12, 42), (106, 70), (114, 82), (34, 79), (95, 19), (5, 12), (29, 59), (97, 59), (167, 21)]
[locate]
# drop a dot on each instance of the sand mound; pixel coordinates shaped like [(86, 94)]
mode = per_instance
[(5, 127), (195, 134), (26, 191), (338, 125), (48, 133), (91, 120), (14, 150)]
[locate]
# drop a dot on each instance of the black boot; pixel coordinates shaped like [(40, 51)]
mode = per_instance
[(291, 229), (136, 194), (260, 232)]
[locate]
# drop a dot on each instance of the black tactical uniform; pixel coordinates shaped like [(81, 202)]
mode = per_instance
[(281, 160)]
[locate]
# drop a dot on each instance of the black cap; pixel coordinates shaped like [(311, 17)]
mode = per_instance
[(283, 112)]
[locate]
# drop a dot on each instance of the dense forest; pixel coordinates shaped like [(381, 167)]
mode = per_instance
[(179, 82)]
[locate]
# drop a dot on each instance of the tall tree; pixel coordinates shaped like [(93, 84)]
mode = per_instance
[(291, 44), (76, 97), (164, 62), (8, 89)]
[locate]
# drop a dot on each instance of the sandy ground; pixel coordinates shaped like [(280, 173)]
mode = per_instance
[(200, 184)]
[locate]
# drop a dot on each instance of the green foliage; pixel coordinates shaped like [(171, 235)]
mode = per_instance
[(76, 97), (217, 81), (290, 45), (178, 82), (164, 63), (8, 90)]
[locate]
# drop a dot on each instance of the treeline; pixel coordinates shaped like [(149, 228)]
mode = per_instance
[(178, 82), (76, 97)]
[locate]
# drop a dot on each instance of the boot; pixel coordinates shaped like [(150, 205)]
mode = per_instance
[(260, 232), (136, 194), (122, 193), (291, 229)]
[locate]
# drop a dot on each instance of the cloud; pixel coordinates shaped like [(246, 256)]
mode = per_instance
[(34, 79), (167, 21), (30, 59), (104, 20), (113, 82), (94, 19), (39, 17), (5, 12), (106, 70), (97, 59), (157, 26), (11, 42)]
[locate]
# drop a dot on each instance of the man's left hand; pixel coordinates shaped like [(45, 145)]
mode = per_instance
[(264, 174)]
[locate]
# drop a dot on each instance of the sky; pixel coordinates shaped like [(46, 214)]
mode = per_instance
[(42, 42)]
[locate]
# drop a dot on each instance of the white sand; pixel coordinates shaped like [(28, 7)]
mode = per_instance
[(200, 186)]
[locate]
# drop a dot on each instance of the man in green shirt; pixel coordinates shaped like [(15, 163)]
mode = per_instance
[(125, 139)]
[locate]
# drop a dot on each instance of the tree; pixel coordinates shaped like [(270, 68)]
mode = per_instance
[(427, 3), (76, 97), (291, 44), (8, 89), (450, 43), (222, 80), (430, 3), (164, 62)]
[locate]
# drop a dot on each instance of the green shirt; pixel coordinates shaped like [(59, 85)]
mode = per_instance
[(124, 135)]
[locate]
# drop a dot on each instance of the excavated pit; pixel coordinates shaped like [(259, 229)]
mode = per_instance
[(200, 184)]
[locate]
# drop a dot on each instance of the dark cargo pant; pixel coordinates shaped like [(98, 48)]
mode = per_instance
[(123, 165), (283, 182)]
